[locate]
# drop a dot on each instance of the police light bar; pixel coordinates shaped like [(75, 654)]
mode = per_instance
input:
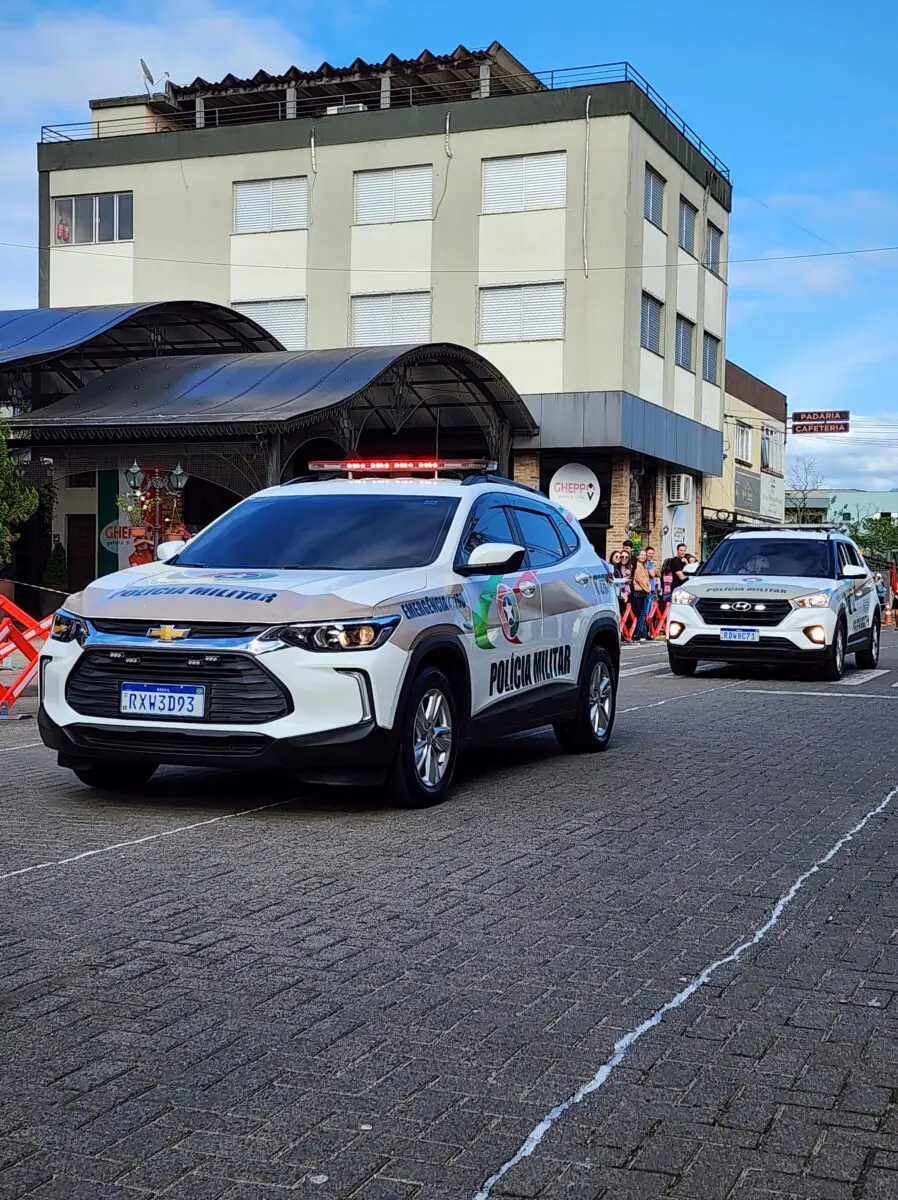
[(396, 466)]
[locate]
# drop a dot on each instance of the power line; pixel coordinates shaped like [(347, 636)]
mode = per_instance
[(526, 271)]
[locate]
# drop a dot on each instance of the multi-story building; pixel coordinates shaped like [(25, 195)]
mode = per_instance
[(569, 226), (752, 487)]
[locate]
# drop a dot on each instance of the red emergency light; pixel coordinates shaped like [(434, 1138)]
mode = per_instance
[(397, 466)]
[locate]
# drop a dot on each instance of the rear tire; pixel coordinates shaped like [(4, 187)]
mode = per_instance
[(590, 730), (115, 776), (834, 665), (685, 667), (427, 752), (868, 659)]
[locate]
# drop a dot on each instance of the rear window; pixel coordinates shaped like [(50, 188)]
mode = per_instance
[(325, 533), (811, 559)]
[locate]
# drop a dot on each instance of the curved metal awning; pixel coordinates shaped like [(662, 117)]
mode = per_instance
[(46, 353), (392, 388)]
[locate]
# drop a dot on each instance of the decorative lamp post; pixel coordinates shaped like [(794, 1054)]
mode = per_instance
[(157, 484)]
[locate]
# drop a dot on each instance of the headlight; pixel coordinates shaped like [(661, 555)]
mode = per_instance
[(817, 600), (365, 634), (681, 596), (67, 628)]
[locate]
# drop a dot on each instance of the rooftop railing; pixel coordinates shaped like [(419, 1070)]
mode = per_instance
[(332, 100)]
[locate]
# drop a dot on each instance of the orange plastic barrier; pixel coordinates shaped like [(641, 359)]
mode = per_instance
[(656, 619), (12, 638)]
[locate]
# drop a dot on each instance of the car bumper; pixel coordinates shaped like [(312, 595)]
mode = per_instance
[(690, 638), (358, 754)]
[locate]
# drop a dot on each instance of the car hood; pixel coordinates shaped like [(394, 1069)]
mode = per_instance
[(776, 587), (161, 592)]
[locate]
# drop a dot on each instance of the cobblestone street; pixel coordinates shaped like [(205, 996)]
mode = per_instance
[(232, 988)]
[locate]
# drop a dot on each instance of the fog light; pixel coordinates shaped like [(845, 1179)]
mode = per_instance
[(817, 634), (675, 628)]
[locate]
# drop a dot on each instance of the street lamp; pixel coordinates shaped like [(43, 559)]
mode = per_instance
[(177, 479), (157, 483), (134, 476)]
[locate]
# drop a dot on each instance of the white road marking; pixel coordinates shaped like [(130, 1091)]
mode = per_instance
[(856, 678), (832, 695), (673, 699), (24, 746), (655, 666), (151, 837), (623, 1044)]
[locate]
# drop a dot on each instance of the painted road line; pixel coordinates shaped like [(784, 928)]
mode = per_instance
[(623, 1044), (673, 699), (832, 695), (856, 678), (655, 666), (24, 746), (151, 837)]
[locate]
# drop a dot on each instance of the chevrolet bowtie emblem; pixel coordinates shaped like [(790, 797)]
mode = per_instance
[(168, 633)]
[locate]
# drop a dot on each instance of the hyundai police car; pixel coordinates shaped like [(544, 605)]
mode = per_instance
[(777, 596), (354, 630)]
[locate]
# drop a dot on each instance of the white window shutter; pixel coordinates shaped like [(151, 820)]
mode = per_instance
[(411, 317), (503, 185), (501, 318), (373, 197), (252, 206), (413, 193), (289, 203), (545, 180), (372, 320), (542, 312), (285, 319)]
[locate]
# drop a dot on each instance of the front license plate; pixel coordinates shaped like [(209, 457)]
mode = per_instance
[(163, 700), (740, 635)]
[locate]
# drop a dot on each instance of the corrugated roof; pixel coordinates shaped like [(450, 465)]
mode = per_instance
[(167, 396), (460, 57)]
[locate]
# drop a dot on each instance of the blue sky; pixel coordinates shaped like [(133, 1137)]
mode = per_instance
[(797, 97)]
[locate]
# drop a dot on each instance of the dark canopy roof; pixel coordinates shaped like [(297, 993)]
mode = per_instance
[(225, 395), (55, 351)]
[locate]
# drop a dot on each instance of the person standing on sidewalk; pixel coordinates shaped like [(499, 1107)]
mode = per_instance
[(640, 591), (673, 573)]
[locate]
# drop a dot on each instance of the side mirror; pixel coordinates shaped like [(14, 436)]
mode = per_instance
[(691, 568), (166, 551), (492, 558), (854, 572)]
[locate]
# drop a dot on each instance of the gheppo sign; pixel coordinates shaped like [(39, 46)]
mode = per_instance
[(114, 535), (576, 488)]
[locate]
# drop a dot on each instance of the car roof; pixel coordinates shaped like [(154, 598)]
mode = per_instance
[(797, 534), (454, 488)]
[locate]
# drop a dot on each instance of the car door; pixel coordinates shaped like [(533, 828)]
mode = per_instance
[(505, 622), (566, 590), (865, 597)]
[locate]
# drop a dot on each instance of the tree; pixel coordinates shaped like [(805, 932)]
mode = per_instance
[(876, 536), (805, 477), (17, 500)]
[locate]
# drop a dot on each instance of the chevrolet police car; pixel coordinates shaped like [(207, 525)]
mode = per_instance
[(352, 630), (779, 595)]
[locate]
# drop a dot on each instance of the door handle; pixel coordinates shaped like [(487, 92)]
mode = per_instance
[(527, 589), (582, 578)]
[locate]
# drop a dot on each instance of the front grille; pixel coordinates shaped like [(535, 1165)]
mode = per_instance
[(197, 629), (238, 690), (169, 745), (761, 613), (713, 647)]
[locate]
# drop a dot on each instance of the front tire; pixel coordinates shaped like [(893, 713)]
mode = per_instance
[(428, 743), (868, 659), (590, 730), (834, 666), (115, 776), (685, 667)]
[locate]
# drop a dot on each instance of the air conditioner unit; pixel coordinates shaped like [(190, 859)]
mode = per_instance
[(679, 489), (334, 109)]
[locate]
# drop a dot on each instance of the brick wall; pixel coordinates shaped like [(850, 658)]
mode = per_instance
[(526, 469), (620, 503)]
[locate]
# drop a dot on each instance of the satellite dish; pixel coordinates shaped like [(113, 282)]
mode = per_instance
[(147, 74)]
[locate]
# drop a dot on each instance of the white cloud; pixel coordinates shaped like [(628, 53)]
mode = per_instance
[(64, 56), (778, 274)]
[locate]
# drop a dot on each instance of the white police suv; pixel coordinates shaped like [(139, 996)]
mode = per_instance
[(783, 595), (357, 630)]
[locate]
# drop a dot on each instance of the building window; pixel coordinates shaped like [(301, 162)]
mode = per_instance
[(525, 182), (652, 323), (686, 226), (685, 344), (271, 205), (533, 312), (81, 479), (398, 194), (711, 359), (83, 220), (390, 320), (653, 198), (713, 244), (743, 444), (285, 319), (772, 449)]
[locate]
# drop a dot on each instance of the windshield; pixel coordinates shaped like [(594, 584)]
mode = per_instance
[(334, 533), (772, 556)]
